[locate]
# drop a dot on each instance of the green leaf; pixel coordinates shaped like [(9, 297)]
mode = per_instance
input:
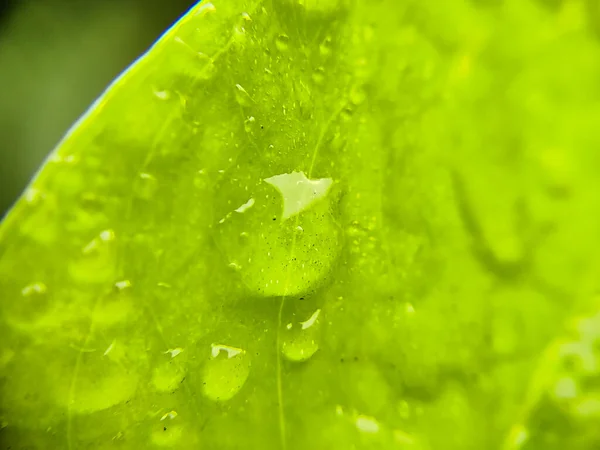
[(319, 224)]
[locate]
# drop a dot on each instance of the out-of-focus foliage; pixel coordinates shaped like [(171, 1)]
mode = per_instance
[(320, 224), (56, 56)]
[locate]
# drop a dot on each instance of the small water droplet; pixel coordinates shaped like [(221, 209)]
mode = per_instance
[(300, 342), (235, 266), (367, 424), (318, 75), (97, 262), (357, 95), (122, 285), (246, 17), (107, 235), (282, 42), (346, 114), (162, 94), (34, 289), (325, 47), (225, 373), (32, 195), (249, 124)]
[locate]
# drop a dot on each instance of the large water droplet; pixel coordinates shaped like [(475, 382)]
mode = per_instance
[(278, 255), (225, 373)]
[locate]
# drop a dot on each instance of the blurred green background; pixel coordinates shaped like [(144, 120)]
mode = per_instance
[(56, 57)]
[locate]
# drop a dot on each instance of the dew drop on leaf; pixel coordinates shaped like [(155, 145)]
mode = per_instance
[(162, 94), (225, 372), (326, 47), (367, 424), (249, 124), (96, 262), (282, 42), (318, 75), (292, 239), (300, 340)]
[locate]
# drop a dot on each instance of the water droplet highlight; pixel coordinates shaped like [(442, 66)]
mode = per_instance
[(122, 285), (205, 8), (34, 289), (367, 424), (298, 192), (311, 321), (246, 206), (170, 415), (174, 351), (162, 95), (242, 96)]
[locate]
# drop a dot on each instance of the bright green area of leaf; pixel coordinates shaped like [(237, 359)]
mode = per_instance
[(320, 225)]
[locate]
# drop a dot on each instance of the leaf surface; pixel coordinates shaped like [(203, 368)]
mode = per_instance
[(319, 224)]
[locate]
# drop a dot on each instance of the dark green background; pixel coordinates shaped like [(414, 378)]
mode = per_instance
[(56, 57)]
